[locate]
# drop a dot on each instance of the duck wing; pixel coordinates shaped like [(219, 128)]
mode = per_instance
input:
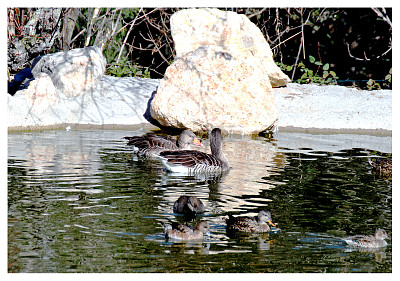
[(152, 141), (190, 158), (181, 227), (358, 240), (245, 224)]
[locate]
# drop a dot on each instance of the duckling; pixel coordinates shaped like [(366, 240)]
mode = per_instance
[(375, 241), (186, 233), (382, 166), (188, 205), (250, 224)]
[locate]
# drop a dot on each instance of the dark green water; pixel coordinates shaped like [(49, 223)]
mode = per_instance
[(79, 201)]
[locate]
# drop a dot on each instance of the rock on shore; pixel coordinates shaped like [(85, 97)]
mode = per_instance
[(193, 28), (210, 88), (220, 76), (72, 72), (204, 74), (86, 97)]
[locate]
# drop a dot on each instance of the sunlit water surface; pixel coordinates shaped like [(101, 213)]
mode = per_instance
[(81, 201)]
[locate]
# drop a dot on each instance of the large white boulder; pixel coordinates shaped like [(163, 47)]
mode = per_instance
[(72, 72), (210, 88), (192, 28)]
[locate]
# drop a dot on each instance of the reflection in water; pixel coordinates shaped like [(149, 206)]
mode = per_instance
[(79, 201)]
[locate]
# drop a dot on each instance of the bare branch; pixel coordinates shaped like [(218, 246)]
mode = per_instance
[(257, 13), (286, 40), (382, 14), (90, 26), (365, 55), (127, 35)]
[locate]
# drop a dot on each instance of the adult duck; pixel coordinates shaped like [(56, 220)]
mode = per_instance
[(382, 166), (375, 241), (188, 205), (195, 162), (260, 223), (186, 233), (152, 145)]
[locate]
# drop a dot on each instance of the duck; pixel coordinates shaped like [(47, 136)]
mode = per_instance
[(372, 241), (186, 233), (382, 166), (196, 162), (152, 145), (188, 205), (259, 223)]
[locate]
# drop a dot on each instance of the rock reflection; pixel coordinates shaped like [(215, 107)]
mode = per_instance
[(61, 153)]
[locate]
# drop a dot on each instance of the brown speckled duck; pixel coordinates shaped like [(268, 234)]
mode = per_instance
[(375, 241), (382, 166), (185, 233), (259, 223), (188, 205), (152, 145)]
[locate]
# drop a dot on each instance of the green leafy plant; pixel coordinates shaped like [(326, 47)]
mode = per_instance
[(284, 67), (373, 85), (388, 78), (328, 77), (127, 69)]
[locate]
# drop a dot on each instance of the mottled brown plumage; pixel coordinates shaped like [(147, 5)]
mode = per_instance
[(152, 145), (184, 232), (376, 241), (259, 223), (382, 166)]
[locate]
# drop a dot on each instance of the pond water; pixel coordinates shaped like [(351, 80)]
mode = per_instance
[(80, 201)]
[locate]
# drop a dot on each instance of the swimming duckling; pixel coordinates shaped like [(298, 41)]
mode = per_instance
[(382, 166), (186, 233), (250, 224), (188, 205), (375, 241)]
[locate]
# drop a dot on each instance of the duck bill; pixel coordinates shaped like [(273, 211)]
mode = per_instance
[(271, 223), (197, 142)]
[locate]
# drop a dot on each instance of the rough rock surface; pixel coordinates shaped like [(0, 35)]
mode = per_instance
[(38, 36), (72, 72), (333, 107), (192, 28), (120, 101), (210, 88)]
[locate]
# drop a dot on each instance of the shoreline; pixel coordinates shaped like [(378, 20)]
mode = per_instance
[(306, 108)]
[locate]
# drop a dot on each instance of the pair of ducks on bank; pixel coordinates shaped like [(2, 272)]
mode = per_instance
[(191, 205), (176, 155)]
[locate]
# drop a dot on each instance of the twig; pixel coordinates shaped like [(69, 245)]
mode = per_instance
[(384, 17), (257, 13), (286, 40), (127, 35), (91, 23), (365, 55), (80, 32)]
